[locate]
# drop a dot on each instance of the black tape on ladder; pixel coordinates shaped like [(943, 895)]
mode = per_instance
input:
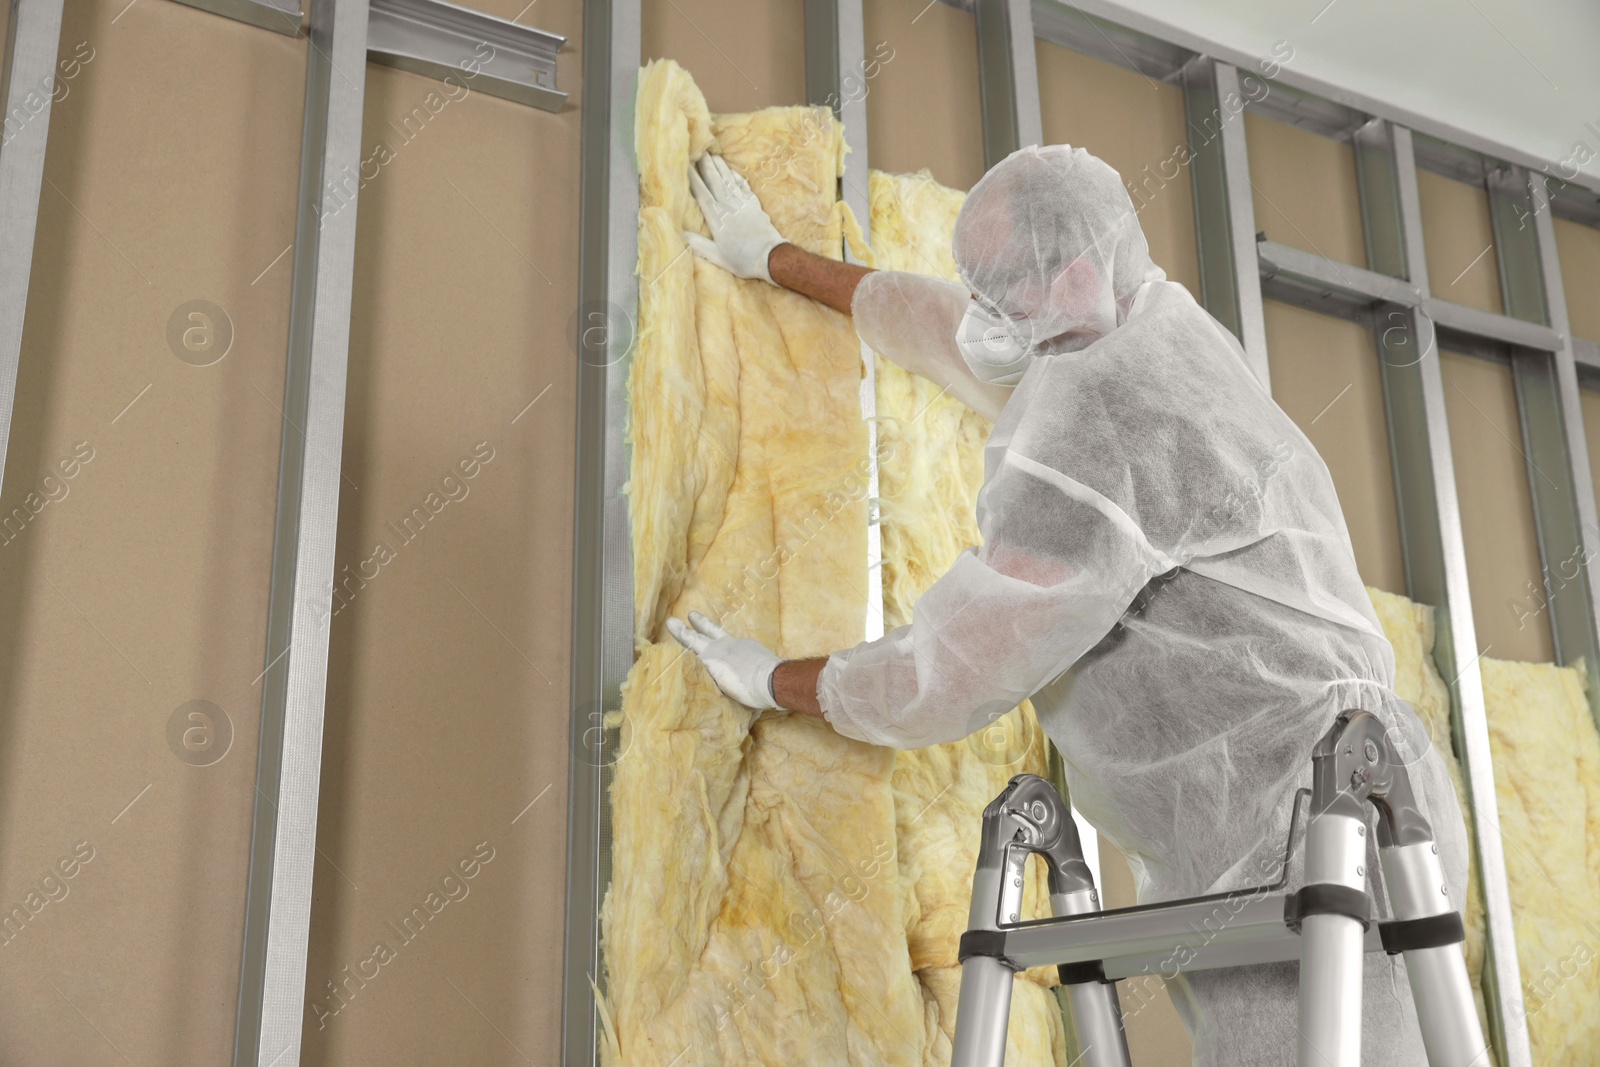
[(1325, 898), (1436, 931)]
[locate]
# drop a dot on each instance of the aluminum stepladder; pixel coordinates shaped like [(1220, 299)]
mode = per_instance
[(1324, 925)]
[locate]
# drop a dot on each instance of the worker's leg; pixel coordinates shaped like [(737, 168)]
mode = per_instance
[(1248, 1016)]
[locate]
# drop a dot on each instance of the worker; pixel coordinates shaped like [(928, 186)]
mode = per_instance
[(1164, 571)]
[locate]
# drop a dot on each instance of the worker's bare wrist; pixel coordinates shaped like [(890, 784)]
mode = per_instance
[(779, 257), (794, 685)]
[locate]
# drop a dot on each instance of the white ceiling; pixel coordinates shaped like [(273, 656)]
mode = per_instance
[(1523, 73)]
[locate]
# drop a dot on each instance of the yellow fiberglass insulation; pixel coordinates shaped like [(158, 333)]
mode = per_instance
[(1547, 781), (1546, 754), (779, 894)]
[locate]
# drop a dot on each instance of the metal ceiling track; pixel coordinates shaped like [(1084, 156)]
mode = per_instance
[(437, 40)]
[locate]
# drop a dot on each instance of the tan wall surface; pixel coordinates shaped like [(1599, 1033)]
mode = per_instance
[(923, 108), (1462, 267), (1589, 396), (1304, 189), (142, 585), (1325, 375), (1135, 124), (447, 702), (1496, 508), (744, 56), (1579, 249)]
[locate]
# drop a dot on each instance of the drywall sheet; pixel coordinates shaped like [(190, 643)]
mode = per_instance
[(1463, 266), (744, 55), (1579, 249), (1327, 377), (764, 904), (1547, 782), (1497, 524), (136, 533), (921, 83), (436, 922), (1589, 399), (1303, 186)]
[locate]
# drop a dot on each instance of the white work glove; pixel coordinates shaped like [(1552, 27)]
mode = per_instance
[(741, 666), (742, 237)]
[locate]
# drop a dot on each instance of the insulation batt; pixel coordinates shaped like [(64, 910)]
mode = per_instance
[(779, 893), (1546, 754), (1547, 782)]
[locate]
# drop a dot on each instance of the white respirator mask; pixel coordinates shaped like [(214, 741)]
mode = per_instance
[(991, 347)]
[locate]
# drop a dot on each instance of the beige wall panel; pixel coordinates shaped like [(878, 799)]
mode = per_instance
[(142, 584), (1135, 124), (1462, 267), (1579, 248), (448, 690), (1325, 375), (1304, 190), (1496, 509), (1589, 396), (744, 56), (923, 108)]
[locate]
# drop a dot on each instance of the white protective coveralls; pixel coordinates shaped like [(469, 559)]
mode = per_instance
[(1165, 571)]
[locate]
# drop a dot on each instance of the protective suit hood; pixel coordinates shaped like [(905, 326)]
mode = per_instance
[(1049, 244)]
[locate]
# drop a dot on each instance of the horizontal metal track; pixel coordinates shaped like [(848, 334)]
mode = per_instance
[(1483, 324), (1332, 279), (437, 40), (488, 54), (1072, 28), (1357, 287)]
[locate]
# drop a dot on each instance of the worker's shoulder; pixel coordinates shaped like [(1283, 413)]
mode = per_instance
[(1169, 350)]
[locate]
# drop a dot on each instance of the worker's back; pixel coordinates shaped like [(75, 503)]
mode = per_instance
[(1187, 729)]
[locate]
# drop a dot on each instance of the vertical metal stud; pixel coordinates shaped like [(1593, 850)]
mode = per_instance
[(602, 587), (836, 78), (1224, 210), (1008, 78), (1570, 407), (294, 683), (1553, 436), (33, 35), (1431, 542)]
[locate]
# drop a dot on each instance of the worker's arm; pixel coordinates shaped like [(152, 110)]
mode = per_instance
[(910, 319), (827, 281), (1060, 563)]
